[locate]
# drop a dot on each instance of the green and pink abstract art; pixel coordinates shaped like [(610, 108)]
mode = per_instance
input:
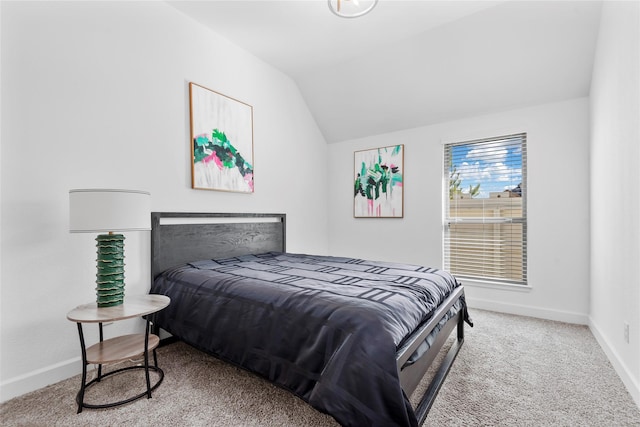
[(378, 183), (221, 141)]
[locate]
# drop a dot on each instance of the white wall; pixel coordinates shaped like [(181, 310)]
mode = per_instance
[(615, 189), (96, 95), (558, 206)]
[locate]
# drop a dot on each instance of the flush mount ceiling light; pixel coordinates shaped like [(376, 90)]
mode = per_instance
[(351, 8)]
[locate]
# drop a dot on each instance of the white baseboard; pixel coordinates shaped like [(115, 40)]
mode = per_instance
[(621, 369), (22, 384), (530, 311)]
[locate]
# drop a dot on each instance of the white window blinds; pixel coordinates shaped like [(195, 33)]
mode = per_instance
[(485, 209)]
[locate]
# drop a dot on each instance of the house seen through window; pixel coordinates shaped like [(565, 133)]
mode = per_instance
[(485, 212)]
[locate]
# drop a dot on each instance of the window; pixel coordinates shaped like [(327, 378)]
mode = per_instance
[(485, 209)]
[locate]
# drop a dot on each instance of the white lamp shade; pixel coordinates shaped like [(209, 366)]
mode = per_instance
[(105, 210)]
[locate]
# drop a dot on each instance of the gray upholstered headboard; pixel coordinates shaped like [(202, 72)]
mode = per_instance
[(181, 237)]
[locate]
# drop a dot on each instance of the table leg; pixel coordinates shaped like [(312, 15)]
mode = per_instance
[(80, 396), (146, 359), (101, 339)]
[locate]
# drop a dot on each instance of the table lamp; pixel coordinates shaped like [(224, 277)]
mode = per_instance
[(108, 211)]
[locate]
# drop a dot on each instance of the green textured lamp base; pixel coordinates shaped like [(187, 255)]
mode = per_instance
[(110, 275)]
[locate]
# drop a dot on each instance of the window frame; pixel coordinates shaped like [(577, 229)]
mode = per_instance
[(451, 220)]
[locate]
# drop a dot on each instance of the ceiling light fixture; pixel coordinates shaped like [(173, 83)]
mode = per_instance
[(351, 8)]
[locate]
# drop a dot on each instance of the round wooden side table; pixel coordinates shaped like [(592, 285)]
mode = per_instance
[(119, 348)]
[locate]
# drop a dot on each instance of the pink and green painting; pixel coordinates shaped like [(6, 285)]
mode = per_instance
[(221, 141), (378, 183)]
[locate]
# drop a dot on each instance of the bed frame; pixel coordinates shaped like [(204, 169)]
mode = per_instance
[(177, 238)]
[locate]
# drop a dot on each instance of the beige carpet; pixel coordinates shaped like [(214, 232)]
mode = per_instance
[(511, 371)]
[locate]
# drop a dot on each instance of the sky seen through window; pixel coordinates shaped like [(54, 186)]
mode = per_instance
[(495, 165)]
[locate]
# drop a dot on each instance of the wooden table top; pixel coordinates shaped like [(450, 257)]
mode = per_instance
[(133, 306)]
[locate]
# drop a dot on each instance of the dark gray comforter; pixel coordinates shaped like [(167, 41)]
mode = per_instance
[(325, 328)]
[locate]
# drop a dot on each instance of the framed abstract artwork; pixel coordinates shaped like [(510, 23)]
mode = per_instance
[(378, 182), (221, 141)]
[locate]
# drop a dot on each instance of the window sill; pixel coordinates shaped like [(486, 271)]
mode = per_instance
[(494, 285)]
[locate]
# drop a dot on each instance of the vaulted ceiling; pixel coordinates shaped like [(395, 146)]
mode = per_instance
[(414, 63)]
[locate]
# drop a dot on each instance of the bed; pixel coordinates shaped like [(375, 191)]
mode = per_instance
[(351, 337)]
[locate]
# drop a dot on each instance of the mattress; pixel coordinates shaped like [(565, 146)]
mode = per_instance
[(325, 328)]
